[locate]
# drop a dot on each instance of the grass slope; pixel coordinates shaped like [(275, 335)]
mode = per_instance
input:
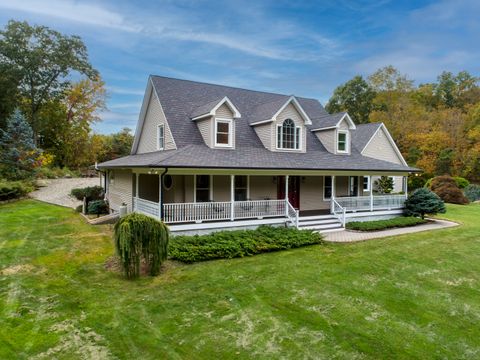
[(412, 296)]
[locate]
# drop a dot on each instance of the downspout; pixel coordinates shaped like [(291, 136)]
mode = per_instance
[(161, 192), (104, 178)]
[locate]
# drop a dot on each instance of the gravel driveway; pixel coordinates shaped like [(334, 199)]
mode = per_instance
[(57, 191)]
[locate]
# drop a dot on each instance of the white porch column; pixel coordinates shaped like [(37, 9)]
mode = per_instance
[(159, 196), (333, 194), (405, 186), (371, 192), (136, 184), (232, 197), (286, 195)]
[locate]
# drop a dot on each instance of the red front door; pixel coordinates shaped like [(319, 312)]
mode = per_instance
[(293, 190)]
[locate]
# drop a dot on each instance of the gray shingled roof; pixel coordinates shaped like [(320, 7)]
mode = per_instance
[(330, 120), (204, 109), (267, 110), (363, 134), (181, 99)]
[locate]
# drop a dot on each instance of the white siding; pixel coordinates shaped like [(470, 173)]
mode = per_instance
[(327, 138), (224, 112), (154, 116), (206, 129), (264, 133), (120, 189), (311, 193), (262, 187), (380, 148)]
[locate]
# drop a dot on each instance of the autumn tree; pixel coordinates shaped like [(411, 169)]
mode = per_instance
[(355, 97), (40, 60)]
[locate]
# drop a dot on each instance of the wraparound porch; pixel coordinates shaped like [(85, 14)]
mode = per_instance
[(234, 198)]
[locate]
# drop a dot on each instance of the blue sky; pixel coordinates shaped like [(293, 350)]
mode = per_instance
[(306, 48)]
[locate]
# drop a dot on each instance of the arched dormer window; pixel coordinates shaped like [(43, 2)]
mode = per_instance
[(288, 135)]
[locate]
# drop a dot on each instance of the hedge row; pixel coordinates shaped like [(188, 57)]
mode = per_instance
[(14, 189), (239, 243), (384, 224)]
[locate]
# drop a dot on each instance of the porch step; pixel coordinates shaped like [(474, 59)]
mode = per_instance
[(321, 223)]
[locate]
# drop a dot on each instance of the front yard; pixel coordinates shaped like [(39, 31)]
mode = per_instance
[(412, 296)]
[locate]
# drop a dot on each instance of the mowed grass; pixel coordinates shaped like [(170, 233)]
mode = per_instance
[(412, 296)]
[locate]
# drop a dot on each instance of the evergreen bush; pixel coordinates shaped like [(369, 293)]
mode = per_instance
[(472, 192), (97, 207), (14, 189), (91, 193), (423, 201), (384, 185), (138, 237), (461, 182)]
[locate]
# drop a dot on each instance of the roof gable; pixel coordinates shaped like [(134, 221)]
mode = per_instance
[(332, 121), (210, 109), (269, 112)]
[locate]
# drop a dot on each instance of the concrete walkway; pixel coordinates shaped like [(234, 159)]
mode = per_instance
[(57, 191), (345, 236)]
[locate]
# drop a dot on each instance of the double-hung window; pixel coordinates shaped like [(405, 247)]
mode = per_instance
[(288, 135), (160, 137), (342, 141), (366, 183), (223, 132)]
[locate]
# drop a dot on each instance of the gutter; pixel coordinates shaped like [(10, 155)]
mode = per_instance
[(104, 177)]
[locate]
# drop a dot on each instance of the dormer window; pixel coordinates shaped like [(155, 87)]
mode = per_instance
[(160, 137), (223, 132), (342, 141), (288, 135)]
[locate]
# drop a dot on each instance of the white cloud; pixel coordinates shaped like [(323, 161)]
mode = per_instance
[(125, 91), (266, 38), (90, 14)]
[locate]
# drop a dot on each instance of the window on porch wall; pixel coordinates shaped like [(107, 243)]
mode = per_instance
[(240, 188), (203, 188)]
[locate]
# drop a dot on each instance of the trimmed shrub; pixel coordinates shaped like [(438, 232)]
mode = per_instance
[(472, 192), (446, 187), (239, 243), (423, 201), (14, 189), (97, 207), (79, 208), (91, 193), (416, 181), (384, 224), (461, 182), (138, 237)]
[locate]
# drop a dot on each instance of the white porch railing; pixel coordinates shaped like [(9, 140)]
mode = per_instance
[(146, 207), (258, 209), (189, 212), (377, 202)]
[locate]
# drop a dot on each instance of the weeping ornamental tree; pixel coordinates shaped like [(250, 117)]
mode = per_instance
[(140, 237)]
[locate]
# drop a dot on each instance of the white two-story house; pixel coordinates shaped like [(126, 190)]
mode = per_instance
[(209, 157)]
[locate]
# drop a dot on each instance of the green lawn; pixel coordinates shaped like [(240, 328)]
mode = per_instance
[(412, 296)]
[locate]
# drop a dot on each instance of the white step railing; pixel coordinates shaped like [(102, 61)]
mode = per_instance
[(292, 214), (378, 202), (146, 207), (339, 211)]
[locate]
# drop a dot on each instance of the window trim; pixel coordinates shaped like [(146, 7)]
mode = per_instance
[(347, 141), (331, 187), (368, 183), (230, 132), (162, 126), (278, 146)]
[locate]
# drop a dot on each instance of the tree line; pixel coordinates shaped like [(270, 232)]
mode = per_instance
[(50, 91), (435, 125)]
